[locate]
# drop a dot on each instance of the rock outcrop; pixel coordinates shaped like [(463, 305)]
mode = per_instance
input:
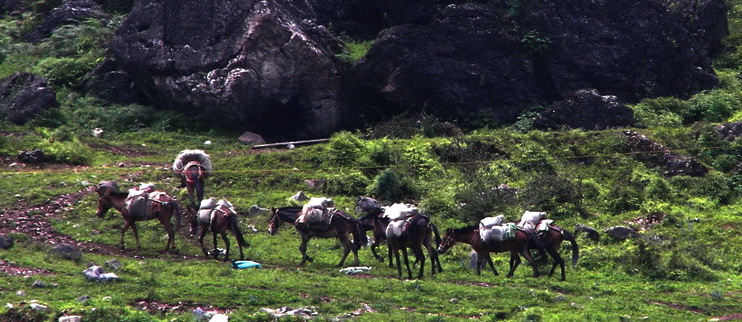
[(69, 13), (270, 66), (656, 155), (262, 66), (588, 110), (23, 96)]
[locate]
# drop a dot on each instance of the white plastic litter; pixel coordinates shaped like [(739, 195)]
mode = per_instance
[(96, 273), (355, 270)]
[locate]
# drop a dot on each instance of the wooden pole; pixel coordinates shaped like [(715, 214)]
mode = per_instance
[(289, 144)]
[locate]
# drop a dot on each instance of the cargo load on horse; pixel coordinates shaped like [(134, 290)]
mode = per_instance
[(399, 211), (530, 220), (317, 213), (498, 233), (217, 216), (488, 222)]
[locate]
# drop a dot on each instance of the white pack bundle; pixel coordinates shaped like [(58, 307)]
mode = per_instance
[(400, 211), (488, 222), (498, 234), (186, 156), (318, 203), (530, 220)]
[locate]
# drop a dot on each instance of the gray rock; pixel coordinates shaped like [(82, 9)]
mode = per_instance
[(114, 264), (655, 154), (591, 233), (6, 242), (300, 196), (23, 96), (65, 251), (255, 210), (621, 232), (586, 109), (251, 138)]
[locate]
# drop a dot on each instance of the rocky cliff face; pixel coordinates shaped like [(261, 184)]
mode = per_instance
[(269, 66), (258, 65)]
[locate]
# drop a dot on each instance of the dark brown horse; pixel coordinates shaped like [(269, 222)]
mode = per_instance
[(375, 221), (159, 206), (219, 220), (341, 225), (517, 247), (414, 233), (552, 240)]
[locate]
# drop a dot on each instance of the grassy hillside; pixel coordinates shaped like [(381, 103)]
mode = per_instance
[(685, 267)]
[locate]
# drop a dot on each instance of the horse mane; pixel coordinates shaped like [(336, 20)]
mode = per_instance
[(466, 229)]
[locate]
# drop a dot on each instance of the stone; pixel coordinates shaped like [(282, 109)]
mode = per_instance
[(6, 242), (586, 109), (251, 138), (621, 232), (23, 96), (65, 251)]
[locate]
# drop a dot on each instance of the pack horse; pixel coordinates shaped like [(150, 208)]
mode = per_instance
[(139, 204)]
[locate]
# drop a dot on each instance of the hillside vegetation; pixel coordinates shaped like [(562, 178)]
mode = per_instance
[(686, 266)]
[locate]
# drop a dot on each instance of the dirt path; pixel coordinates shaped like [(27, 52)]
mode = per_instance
[(34, 222)]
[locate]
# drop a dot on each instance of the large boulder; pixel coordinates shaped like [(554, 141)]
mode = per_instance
[(262, 66), (23, 96), (71, 12), (586, 109)]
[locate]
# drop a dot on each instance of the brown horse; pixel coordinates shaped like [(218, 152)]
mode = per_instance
[(552, 240), (375, 221), (219, 220), (470, 235), (159, 206), (414, 233), (341, 225)]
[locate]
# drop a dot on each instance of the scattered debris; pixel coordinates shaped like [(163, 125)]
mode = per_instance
[(308, 311), (96, 273), (355, 270)]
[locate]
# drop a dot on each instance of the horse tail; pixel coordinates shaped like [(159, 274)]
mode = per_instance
[(237, 232), (575, 251), (359, 234), (437, 235)]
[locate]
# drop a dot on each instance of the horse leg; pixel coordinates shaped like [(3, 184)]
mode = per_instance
[(433, 259), (226, 245), (216, 253), (170, 233), (346, 249), (488, 259), (557, 261), (136, 235), (123, 231), (514, 262), (527, 255), (303, 250), (420, 257), (406, 261), (399, 264), (201, 239)]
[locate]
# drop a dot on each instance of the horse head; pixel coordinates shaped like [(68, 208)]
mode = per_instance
[(274, 222), (104, 190), (367, 205), (447, 242)]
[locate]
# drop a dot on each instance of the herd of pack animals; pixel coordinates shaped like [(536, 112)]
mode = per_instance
[(401, 225)]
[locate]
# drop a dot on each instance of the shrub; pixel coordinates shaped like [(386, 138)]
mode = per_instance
[(351, 183), (714, 106), (661, 111), (346, 150), (388, 186)]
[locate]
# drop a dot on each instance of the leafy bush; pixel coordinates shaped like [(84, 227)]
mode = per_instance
[(660, 112), (351, 183), (354, 51), (346, 150), (388, 186)]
